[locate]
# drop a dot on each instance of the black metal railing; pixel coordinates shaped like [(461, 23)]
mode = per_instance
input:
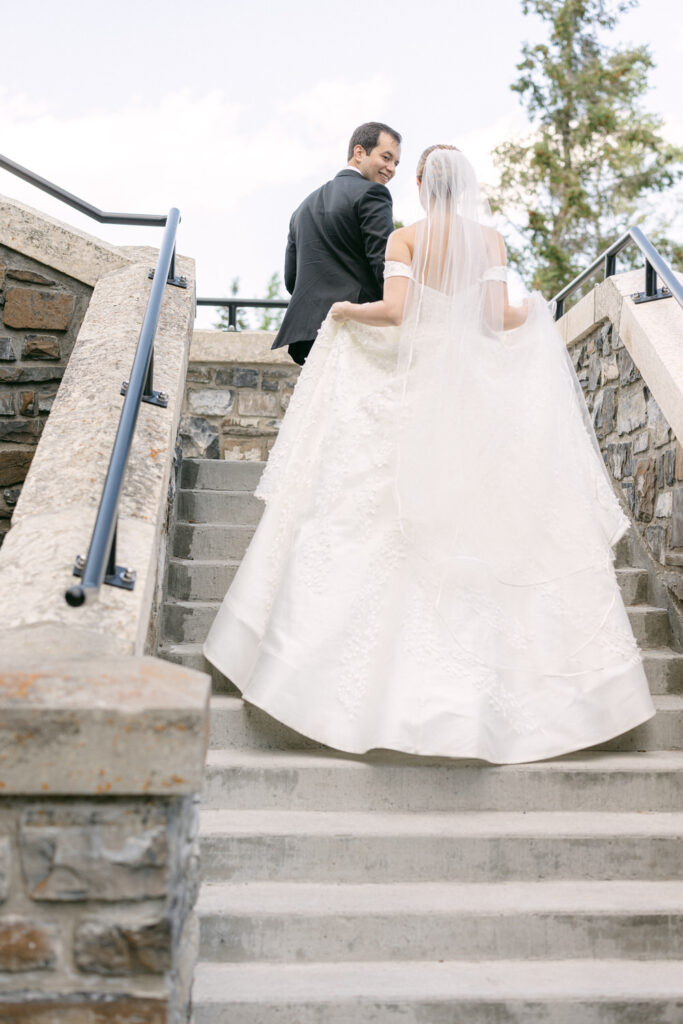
[(142, 219), (99, 565), (233, 304), (655, 265)]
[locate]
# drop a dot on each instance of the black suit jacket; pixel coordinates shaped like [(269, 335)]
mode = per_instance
[(335, 252)]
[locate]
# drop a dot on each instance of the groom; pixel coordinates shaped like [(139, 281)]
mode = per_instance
[(337, 238)]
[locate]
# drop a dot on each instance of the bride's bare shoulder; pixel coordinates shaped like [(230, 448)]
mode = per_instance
[(401, 244)]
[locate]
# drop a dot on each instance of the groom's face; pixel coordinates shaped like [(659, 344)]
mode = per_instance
[(381, 162)]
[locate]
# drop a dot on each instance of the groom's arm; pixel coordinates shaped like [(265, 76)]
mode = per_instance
[(376, 224), (290, 260), (389, 310)]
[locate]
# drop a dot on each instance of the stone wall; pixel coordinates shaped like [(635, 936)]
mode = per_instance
[(41, 311), (237, 393), (641, 452), (101, 749), (94, 890)]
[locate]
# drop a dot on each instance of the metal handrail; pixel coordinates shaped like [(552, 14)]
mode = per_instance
[(233, 304), (104, 217), (655, 265), (100, 564)]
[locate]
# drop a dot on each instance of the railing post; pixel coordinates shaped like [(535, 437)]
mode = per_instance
[(149, 379), (232, 316), (111, 562), (559, 309), (656, 269), (149, 395)]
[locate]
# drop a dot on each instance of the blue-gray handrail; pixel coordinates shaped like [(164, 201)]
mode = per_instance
[(104, 217), (100, 563), (655, 265)]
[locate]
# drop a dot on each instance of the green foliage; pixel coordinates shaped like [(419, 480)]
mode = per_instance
[(272, 318), (578, 180)]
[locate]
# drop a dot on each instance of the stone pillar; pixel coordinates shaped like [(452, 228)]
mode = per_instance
[(101, 763)]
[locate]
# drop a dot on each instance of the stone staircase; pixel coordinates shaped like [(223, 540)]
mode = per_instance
[(387, 888)]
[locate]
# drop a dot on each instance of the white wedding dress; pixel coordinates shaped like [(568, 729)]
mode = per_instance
[(492, 629)]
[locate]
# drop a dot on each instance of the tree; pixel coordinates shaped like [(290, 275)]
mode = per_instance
[(272, 318), (223, 322), (594, 153)]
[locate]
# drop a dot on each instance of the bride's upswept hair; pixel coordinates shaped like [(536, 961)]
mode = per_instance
[(430, 149)]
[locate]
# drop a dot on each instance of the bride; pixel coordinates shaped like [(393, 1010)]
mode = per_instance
[(433, 569)]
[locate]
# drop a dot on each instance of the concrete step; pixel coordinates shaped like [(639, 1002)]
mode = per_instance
[(623, 556), (211, 542), (633, 583), (215, 474), (278, 921), (194, 580), (450, 992), (188, 621), (191, 656), (663, 732), (650, 625), (322, 780), (664, 670), (235, 508), (238, 724), (476, 846)]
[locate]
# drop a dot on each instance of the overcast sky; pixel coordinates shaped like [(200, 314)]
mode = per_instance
[(234, 111)]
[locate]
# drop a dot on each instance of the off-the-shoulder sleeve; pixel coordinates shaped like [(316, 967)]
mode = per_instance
[(495, 274), (394, 268)]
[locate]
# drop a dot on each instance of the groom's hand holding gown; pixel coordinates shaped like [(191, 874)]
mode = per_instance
[(335, 252)]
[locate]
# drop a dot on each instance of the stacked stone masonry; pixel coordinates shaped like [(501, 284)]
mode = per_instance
[(95, 889), (234, 411), (41, 310), (640, 450)]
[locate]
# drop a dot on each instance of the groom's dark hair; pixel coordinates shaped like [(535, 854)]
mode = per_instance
[(367, 135)]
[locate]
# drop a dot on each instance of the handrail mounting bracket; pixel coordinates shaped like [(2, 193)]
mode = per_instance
[(178, 281), (661, 293), (159, 398), (123, 576)]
